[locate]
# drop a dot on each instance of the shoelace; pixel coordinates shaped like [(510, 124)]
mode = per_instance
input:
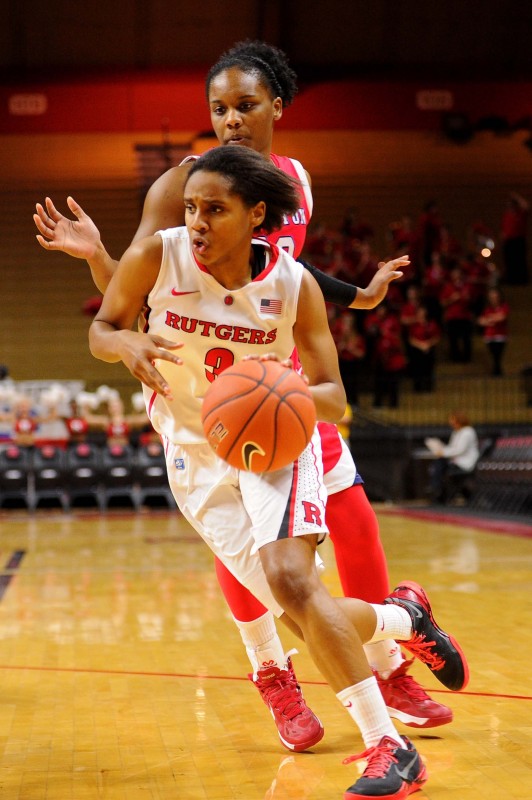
[(409, 686), (281, 694), (379, 759), (421, 649)]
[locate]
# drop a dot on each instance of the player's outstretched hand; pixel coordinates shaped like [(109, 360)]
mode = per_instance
[(377, 288), (78, 237), (140, 351)]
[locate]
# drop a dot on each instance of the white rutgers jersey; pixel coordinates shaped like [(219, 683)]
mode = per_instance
[(217, 327)]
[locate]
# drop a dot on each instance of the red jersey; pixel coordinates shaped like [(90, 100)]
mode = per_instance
[(291, 237)]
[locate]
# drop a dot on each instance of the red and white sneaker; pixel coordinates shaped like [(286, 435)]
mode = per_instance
[(298, 727), (409, 703)]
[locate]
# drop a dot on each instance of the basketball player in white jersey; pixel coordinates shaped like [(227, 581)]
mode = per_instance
[(201, 291), (247, 90)]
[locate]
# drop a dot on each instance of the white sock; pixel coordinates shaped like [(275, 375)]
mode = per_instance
[(393, 622), (262, 642), (365, 705), (384, 657)]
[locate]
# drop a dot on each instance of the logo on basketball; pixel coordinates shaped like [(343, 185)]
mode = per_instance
[(248, 451)]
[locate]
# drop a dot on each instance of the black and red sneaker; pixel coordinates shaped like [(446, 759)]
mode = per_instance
[(408, 702), (392, 772), (429, 643), (298, 727)]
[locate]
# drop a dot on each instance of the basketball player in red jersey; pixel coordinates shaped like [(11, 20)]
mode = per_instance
[(247, 90)]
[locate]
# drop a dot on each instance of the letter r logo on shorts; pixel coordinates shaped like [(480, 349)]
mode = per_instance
[(312, 513)]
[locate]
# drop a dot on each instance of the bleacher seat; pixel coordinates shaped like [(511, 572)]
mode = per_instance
[(504, 477), (14, 475), (118, 474), (48, 476), (151, 475), (83, 475)]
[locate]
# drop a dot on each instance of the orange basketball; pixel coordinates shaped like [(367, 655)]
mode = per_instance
[(258, 415)]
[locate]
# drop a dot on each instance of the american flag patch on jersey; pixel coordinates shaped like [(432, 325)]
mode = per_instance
[(271, 306)]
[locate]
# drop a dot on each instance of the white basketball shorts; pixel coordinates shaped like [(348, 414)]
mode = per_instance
[(238, 512)]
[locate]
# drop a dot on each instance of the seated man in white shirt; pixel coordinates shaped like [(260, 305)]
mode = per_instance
[(455, 459)]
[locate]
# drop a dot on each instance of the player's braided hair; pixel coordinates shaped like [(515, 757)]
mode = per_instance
[(254, 179), (268, 61)]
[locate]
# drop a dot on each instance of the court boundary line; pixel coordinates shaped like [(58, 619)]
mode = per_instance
[(192, 676)]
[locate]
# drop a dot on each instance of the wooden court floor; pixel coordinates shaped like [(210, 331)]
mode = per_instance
[(123, 676)]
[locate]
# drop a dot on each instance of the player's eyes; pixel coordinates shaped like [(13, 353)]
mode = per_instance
[(219, 110), (189, 208)]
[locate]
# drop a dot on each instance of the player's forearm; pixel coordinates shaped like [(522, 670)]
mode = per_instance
[(365, 299), (330, 401), (104, 341), (102, 268)]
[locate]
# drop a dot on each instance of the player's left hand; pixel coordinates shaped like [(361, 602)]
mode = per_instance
[(287, 362), (377, 288)]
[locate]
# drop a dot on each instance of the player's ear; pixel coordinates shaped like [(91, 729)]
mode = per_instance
[(257, 214), (277, 109)]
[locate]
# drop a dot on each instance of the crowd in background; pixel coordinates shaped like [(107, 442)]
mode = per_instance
[(55, 416), (450, 292)]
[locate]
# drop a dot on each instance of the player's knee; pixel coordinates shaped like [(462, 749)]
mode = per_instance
[(290, 585)]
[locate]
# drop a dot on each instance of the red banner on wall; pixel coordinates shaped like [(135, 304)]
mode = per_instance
[(130, 104)]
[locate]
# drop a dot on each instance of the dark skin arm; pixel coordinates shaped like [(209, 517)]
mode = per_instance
[(110, 336), (80, 238), (163, 208)]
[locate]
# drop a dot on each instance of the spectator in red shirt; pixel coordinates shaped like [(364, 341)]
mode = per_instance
[(408, 310), (340, 265), (478, 272), (450, 248), (319, 244), (76, 422), (351, 351), (116, 424), (404, 241), (25, 421), (365, 264), (455, 298), (408, 313), (494, 321), (429, 229), (434, 278), (402, 236), (423, 337), (514, 240), (389, 361)]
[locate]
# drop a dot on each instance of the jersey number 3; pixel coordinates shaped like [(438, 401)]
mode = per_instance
[(216, 361)]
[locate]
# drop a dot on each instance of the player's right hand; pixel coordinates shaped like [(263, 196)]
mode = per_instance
[(77, 237), (140, 353)]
